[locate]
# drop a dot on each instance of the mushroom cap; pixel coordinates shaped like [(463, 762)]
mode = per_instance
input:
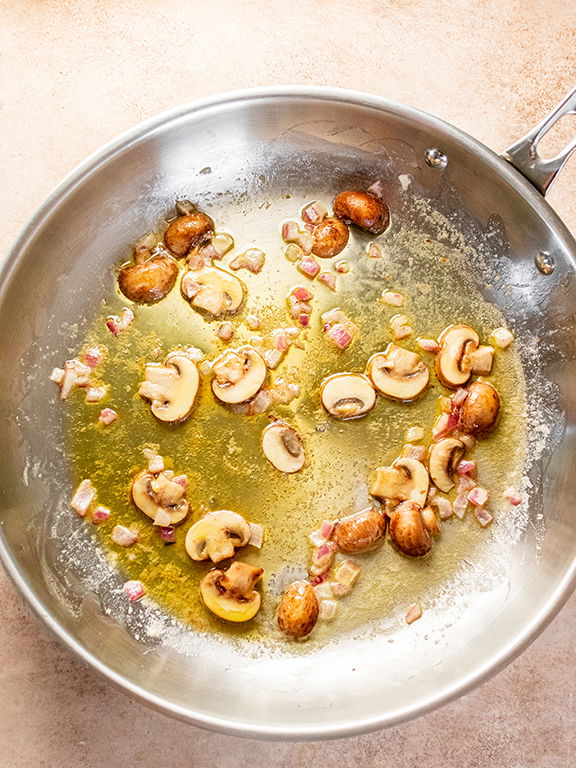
[(406, 480), (283, 447), (230, 594), (213, 290), (347, 395), (148, 281), (442, 459), (141, 497), (217, 535), (453, 365), (479, 411), (298, 609), (362, 209), (330, 238), (361, 531), (254, 373), (186, 231), (398, 373), (171, 387), (407, 530)]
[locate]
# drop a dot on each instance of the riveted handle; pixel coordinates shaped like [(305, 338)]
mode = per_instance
[(523, 155)]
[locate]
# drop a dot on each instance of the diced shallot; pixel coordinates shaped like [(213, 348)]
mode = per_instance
[(374, 251), (162, 518), (414, 435), (417, 452), (290, 231), (400, 327), (322, 558), (302, 294), (327, 609), (466, 468), (107, 416), (117, 324), (293, 252), (444, 507), (478, 496), (483, 516), (100, 514), (459, 396), (513, 496), (134, 590), (57, 376), (343, 267), (83, 497), (309, 267), (502, 337), (327, 528), (155, 462), (123, 536), (253, 322), (339, 335), (428, 345), (413, 613), (393, 298), (167, 534), (344, 578), (376, 189), (465, 484), (92, 357), (256, 535), (95, 394), (253, 260), (324, 591), (327, 279), (314, 212), (225, 331)]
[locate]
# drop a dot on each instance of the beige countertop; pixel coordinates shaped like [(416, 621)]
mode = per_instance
[(76, 73)]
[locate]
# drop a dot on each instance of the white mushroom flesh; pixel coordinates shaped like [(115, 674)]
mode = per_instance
[(398, 373), (347, 395), (238, 375), (217, 535), (442, 460), (171, 387), (406, 480), (457, 344), (213, 290), (283, 447), (148, 502)]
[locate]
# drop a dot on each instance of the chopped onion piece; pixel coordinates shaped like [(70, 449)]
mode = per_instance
[(309, 267), (180, 480), (414, 435), (293, 252), (428, 345), (444, 507), (322, 558), (502, 337), (83, 497), (253, 322), (376, 189), (399, 326), (167, 534), (256, 535), (100, 514), (123, 536), (327, 609), (253, 260), (327, 528), (413, 613), (107, 416), (57, 376), (205, 368), (513, 496), (417, 452), (327, 279), (393, 298), (93, 357), (343, 267), (374, 251), (155, 462), (302, 294), (290, 231), (478, 496), (314, 212), (483, 516), (459, 396), (324, 591), (162, 518), (466, 468), (95, 394), (317, 539), (344, 578), (225, 331), (134, 590)]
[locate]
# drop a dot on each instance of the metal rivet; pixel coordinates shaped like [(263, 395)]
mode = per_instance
[(435, 158), (544, 262)]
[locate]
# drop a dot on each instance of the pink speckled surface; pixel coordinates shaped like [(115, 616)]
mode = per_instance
[(74, 74)]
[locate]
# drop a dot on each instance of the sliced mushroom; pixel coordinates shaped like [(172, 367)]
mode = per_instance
[(347, 395), (453, 361), (330, 238), (238, 374), (283, 447), (407, 530), (187, 230), (430, 521), (144, 497), (406, 480), (479, 411), (217, 536), (362, 209), (398, 373), (230, 594), (171, 387), (213, 290), (442, 460), (150, 278), (298, 610), (360, 532)]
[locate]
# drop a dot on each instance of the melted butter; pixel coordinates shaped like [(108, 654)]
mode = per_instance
[(220, 451)]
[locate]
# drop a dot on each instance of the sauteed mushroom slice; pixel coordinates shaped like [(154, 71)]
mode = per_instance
[(398, 373), (347, 395), (330, 238), (213, 290), (453, 363), (406, 480), (150, 278), (362, 209), (171, 387), (479, 411), (189, 229), (238, 374), (360, 532), (217, 536), (298, 610), (407, 530), (148, 501), (283, 447), (231, 594), (442, 460)]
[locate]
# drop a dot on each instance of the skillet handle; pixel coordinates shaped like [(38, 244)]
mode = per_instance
[(523, 155)]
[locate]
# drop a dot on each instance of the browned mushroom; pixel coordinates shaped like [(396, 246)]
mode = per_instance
[(149, 278), (362, 209), (479, 411), (407, 530), (298, 610), (188, 230), (330, 238), (360, 532)]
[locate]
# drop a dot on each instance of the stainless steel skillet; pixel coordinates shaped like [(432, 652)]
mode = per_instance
[(250, 146)]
